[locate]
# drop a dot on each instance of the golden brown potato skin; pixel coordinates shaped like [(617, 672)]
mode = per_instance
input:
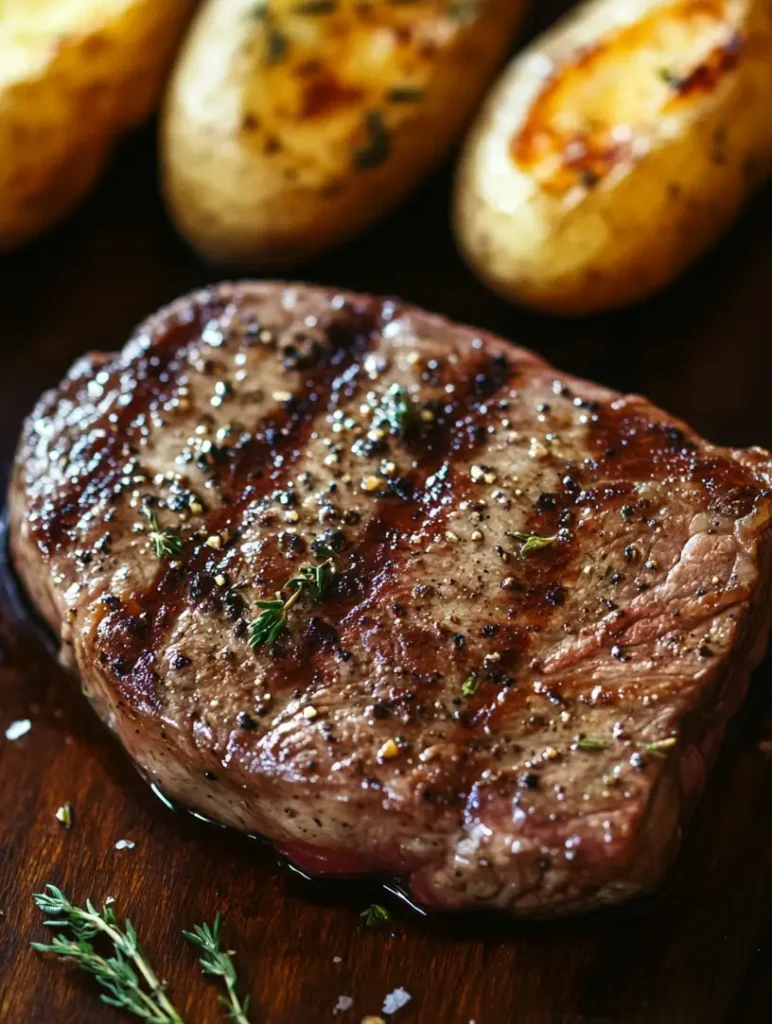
[(615, 150), (290, 126), (73, 75)]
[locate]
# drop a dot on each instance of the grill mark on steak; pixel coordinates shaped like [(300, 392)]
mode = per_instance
[(449, 678), (242, 478), (377, 559), (100, 455), (632, 445)]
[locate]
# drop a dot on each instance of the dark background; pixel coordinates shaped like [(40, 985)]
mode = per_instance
[(699, 951)]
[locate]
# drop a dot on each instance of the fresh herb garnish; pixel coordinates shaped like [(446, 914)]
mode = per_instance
[(64, 814), (532, 541), (310, 579), (397, 410), (375, 915), (131, 983), (464, 10), (405, 94), (590, 746), (317, 7), (168, 543), (670, 78), (658, 747), (218, 962), (276, 46), (259, 11), (129, 980), (470, 685), (377, 146)]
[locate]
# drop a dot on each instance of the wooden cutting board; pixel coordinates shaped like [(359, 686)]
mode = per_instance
[(700, 951)]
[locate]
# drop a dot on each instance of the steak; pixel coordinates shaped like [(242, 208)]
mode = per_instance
[(395, 593)]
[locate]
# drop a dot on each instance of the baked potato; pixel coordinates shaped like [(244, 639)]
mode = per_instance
[(290, 125), (73, 75), (615, 149)]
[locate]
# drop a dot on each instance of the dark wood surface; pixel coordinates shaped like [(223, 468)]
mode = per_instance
[(699, 951)]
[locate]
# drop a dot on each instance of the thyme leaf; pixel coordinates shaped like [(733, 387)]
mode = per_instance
[(276, 46), (405, 94), (591, 746), (64, 814), (532, 541), (312, 577), (659, 747), (464, 10), (317, 7), (377, 145), (670, 78), (397, 410), (374, 915), (218, 962), (470, 685)]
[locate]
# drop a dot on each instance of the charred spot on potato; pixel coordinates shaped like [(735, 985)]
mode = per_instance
[(404, 94), (377, 146), (249, 123), (325, 95), (582, 125)]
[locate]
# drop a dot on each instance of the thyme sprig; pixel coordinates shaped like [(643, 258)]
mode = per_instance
[(168, 543), (129, 980), (659, 747), (218, 962), (310, 580)]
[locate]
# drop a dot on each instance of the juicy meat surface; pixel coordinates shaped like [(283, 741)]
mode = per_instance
[(523, 606)]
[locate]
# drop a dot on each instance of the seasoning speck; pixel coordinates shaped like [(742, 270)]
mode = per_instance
[(125, 844), (388, 751), (344, 1003), (17, 729), (537, 450)]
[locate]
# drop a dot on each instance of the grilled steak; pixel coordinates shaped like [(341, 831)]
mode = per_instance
[(396, 594)]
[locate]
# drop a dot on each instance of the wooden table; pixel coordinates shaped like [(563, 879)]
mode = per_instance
[(700, 951)]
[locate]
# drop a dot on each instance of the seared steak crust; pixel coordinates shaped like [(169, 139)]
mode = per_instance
[(504, 721)]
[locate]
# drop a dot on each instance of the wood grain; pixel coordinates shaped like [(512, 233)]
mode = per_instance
[(700, 951)]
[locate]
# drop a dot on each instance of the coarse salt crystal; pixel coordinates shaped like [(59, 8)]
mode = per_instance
[(396, 1000), (16, 730)]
